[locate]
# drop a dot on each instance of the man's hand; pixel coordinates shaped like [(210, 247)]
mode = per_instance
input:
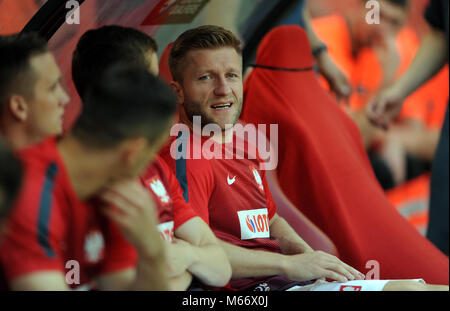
[(317, 265), (385, 107), (132, 209), (179, 257)]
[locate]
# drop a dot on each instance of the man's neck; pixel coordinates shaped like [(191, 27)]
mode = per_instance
[(17, 137), (88, 171)]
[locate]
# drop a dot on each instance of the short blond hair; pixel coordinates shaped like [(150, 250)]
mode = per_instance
[(203, 37)]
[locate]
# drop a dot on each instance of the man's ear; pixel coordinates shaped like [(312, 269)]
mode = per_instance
[(178, 90), (18, 107)]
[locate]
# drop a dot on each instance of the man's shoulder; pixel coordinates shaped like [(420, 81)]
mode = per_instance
[(42, 175)]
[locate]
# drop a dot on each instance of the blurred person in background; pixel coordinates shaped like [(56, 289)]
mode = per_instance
[(431, 57), (373, 56)]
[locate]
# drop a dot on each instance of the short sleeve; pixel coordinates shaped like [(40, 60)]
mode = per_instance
[(271, 208), (35, 230), (195, 178), (182, 210)]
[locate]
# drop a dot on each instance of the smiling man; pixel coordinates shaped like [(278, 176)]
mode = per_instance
[(196, 71), (232, 195), (32, 99), (193, 253), (231, 192)]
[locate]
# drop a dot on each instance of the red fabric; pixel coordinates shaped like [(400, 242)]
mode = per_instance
[(323, 167), (14, 15), (168, 196), (164, 70), (231, 194), (49, 225)]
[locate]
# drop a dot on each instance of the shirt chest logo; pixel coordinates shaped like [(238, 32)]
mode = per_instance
[(166, 230), (254, 224), (258, 178), (94, 247), (230, 181), (159, 190)]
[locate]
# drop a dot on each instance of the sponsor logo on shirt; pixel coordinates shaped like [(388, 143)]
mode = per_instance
[(254, 224), (166, 231), (258, 178), (159, 190), (94, 246)]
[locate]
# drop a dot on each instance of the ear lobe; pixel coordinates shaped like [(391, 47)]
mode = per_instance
[(176, 88), (18, 107)]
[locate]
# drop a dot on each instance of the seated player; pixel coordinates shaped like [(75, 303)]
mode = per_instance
[(32, 99), (227, 186), (79, 191), (193, 250)]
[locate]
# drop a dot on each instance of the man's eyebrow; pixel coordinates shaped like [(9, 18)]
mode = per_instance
[(57, 80), (205, 70)]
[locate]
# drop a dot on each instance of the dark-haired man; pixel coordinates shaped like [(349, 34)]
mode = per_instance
[(99, 48), (386, 106), (32, 99), (193, 251), (80, 191)]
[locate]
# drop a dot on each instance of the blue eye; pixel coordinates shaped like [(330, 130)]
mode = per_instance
[(202, 78)]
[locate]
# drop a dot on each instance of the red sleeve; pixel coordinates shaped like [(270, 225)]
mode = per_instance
[(182, 210), (271, 208), (195, 178), (35, 231)]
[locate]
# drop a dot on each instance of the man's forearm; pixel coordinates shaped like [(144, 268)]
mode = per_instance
[(430, 58), (180, 282), (252, 263), (210, 265), (419, 141), (290, 242), (314, 41)]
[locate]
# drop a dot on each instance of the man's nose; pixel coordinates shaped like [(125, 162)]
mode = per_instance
[(222, 87), (64, 97)]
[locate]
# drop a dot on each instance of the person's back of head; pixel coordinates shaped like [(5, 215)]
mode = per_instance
[(32, 99), (126, 103), (99, 48)]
